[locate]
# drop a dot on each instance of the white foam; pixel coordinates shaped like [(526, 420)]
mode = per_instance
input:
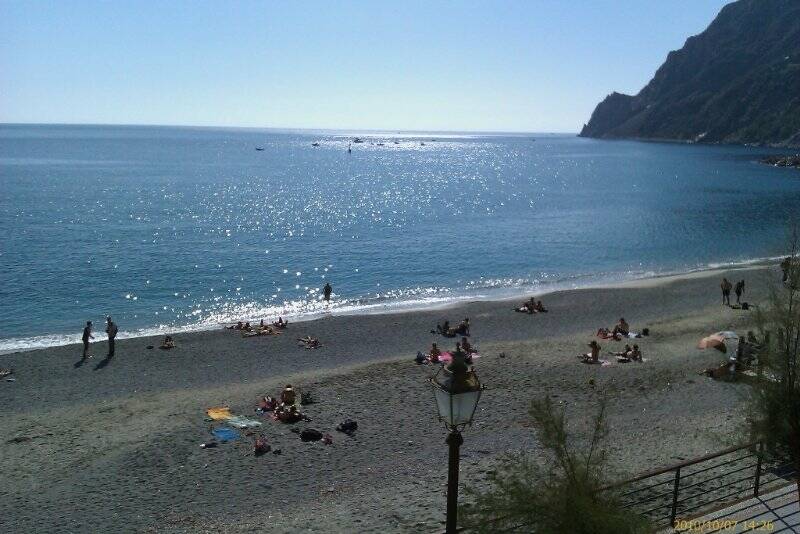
[(395, 301)]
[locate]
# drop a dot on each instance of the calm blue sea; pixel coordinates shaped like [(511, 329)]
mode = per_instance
[(171, 228)]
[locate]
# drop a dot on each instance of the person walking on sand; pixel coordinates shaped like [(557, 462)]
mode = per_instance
[(326, 291), (739, 290), (111, 330), (726, 291), (87, 335)]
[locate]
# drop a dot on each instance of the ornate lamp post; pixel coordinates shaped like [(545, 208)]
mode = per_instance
[(457, 391)]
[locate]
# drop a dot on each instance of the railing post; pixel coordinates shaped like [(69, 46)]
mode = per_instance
[(675, 496), (758, 469)]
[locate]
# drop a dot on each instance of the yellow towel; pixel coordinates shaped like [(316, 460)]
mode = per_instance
[(220, 412)]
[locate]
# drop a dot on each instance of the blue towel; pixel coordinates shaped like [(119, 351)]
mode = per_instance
[(225, 434)]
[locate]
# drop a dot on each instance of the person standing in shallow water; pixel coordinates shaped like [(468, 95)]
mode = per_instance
[(726, 291), (111, 330), (739, 290), (326, 292), (87, 335)]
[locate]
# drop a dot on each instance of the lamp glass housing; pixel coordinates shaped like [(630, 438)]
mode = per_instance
[(457, 395)]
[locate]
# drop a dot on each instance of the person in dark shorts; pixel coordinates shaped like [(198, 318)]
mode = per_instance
[(726, 291), (111, 330), (326, 291), (739, 290), (87, 335)]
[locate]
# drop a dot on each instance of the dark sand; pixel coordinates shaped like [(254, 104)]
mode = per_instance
[(115, 447)]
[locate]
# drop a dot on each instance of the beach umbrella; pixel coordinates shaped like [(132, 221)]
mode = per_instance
[(714, 341), (727, 334)]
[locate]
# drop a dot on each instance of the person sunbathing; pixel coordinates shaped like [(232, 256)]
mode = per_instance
[(594, 355), (444, 328), (265, 331), (280, 323), (288, 396), (624, 353), (605, 333), (463, 327), (237, 326), (540, 307), (529, 306), (290, 415), (267, 404), (636, 354), (310, 342), (621, 328), (247, 327), (168, 343), (434, 353), (466, 347)]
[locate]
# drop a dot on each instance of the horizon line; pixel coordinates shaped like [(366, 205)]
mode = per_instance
[(289, 128)]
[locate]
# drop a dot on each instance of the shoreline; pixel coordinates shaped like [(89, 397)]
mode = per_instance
[(498, 295), (134, 423)]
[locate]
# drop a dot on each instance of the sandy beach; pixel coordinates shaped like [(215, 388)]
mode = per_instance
[(114, 445)]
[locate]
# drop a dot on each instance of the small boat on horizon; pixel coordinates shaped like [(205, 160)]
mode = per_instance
[(315, 144), (358, 140), (259, 148)]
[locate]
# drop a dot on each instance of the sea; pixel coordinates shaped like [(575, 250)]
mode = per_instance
[(170, 229)]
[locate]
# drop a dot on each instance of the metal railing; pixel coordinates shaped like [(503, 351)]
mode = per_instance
[(703, 484)]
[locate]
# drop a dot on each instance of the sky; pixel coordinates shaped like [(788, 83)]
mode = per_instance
[(499, 65)]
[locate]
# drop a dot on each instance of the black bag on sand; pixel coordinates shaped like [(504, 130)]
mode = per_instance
[(310, 434), (646, 332), (745, 306), (348, 427)]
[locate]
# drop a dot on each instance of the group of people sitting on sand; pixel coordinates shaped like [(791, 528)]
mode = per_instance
[(747, 352), (434, 354), (262, 329), (621, 330), (447, 331), (531, 306), (284, 409), (168, 343)]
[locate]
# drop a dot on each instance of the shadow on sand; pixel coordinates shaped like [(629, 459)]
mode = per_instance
[(103, 363)]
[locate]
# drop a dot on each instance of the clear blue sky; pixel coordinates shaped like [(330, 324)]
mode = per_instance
[(535, 65)]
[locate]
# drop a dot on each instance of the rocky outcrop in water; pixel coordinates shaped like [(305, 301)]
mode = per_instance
[(782, 161)]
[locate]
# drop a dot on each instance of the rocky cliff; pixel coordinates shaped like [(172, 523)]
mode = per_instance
[(737, 82)]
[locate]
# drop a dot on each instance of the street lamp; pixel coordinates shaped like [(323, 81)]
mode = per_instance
[(457, 391)]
